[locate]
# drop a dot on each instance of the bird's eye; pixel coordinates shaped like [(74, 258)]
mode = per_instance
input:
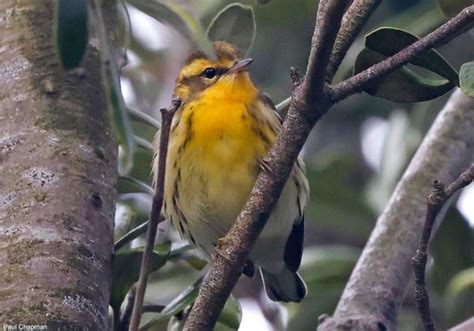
[(209, 73)]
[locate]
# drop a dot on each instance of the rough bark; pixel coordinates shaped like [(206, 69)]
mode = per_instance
[(57, 177), (377, 284)]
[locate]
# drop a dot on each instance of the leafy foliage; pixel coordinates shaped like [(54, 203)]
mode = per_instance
[(451, 8), (346, 194), (466, 78), (404, 85), (234, 24), (177, 16), (126, 270)]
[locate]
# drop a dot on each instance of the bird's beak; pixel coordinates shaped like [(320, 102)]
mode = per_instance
[(241, 65)]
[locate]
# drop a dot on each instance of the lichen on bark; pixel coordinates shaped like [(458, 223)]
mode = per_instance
[(57, 152)]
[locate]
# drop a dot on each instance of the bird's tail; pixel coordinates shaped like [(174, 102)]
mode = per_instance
[(286, 286)]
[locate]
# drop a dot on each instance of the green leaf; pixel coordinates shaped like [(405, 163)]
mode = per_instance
[(133, 183), (117, 111), (145, 144), (126, 270), (139, 203), (178, 17), (461, 282), (120, 121), (72, 31), (459, 296), (466, 79), (179, 303), (401, 141), (187, 254), (389, 41), (230, 317), (451, 8), (336, 205), (234, 24), (284, 104), (401, 85), (454, 232), (142, 162), (131, 235), (143, 118)]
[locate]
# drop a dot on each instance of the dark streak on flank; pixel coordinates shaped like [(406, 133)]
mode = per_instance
[(189, 130), (255, 119), (261, 134), (176, 189), (298, 191), (175, 122), (178, 211), (192, 238), (181, 227)]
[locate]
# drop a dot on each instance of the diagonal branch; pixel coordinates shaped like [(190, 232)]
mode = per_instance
[(377, 285), (353, 21), (167, 116), (310, 101), (306, 108), (451, 29), (435, 202)]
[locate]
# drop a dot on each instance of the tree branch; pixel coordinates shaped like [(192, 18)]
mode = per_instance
[(310, 101), (306, 108), (377, 284), (458, 24), (167, 116), (352, 23), (435, 202)]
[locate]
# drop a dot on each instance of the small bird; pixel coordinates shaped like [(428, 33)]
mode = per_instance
[(219, 137)]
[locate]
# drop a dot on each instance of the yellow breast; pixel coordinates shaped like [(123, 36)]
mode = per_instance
[(214, 154)]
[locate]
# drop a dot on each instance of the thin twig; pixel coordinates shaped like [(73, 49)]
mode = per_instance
[(167, 116), (355, 84), (305, 110), (353, 21), (377, 286), (328, 22), (435, 202), (124, 320), (310, 101)]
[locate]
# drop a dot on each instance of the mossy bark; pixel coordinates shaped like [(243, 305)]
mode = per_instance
[(57, 177)]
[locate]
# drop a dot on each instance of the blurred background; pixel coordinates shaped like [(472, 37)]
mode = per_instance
[(354, 159)]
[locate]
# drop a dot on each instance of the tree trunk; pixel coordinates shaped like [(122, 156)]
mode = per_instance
[(377, 285), (57, 177)]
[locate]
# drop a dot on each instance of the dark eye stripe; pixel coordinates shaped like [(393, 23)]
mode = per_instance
[(221, 71)]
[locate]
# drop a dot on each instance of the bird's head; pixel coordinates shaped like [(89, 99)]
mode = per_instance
[(225, 76)]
